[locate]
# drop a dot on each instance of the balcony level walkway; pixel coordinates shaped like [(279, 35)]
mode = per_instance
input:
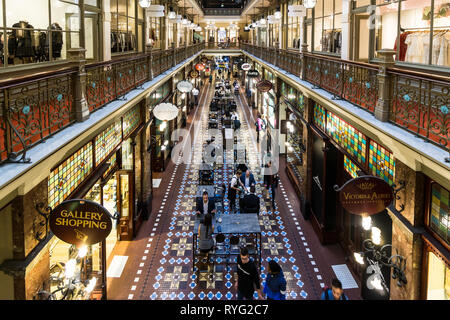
[(159, 261)]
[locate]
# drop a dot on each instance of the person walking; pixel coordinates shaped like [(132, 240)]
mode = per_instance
[(195, 93), (275, 285), (233, 190), (271, 179), (248, 277), (335, 292), (259, 126)]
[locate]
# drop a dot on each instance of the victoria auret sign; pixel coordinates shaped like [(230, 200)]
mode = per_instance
[(365, 195)]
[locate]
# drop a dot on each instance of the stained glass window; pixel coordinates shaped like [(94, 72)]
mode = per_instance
[(112, 162), (439, 211), (64, 179), (350, 167), (381, 162), (353, 141), (319, 116), (131, 120), (106, 141)]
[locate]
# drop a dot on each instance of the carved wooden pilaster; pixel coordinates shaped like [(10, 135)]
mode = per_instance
[(77, 56)]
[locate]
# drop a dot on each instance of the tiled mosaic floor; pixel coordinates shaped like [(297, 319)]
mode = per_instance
[(165, 268)]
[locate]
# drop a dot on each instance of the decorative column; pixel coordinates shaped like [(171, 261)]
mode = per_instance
[(174, 60), (77, 56), (383, 107), (304, 49), (275, 61), (148, 50)]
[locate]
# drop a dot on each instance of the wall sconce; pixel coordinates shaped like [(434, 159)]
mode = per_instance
[(378, 256)]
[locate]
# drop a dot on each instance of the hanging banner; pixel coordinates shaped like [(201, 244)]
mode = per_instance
[(155, 11), (165, 111), (199, 66), (80, 222), (246, 66), (253, 73), (193, 74), (185, 86), (296, 11), (264, 86), (365, 195)]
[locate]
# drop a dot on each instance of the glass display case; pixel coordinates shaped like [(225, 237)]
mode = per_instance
[(294, 151)]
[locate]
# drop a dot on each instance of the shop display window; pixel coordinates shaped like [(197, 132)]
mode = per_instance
[(294, 26), (154, 32), (419, 35), (106, 141), (381, 162), (328, 26), (439, 212), (438, 284), (123, 25), (32, 37), (68, 175), (75, 274), (353, 141), (127, 155)]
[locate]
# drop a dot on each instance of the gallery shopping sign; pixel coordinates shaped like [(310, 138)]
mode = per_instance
[(264, 86), (365, 195), (80, 222)]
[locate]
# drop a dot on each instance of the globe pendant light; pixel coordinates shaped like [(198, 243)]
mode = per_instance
[(262, 21), (172, 15), (277, 13), (309, 4), (145, 3), (185, 20)]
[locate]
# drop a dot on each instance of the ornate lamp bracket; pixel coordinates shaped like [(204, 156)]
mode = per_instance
[(396, 190), (44, 212)]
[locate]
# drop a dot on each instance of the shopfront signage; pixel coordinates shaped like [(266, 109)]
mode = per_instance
[(199, 66), (365, 195), (296, 11), (253, 73), (80, 222), (193, 74), (264, 86), (185, 86), (165, 111), (246, 66)]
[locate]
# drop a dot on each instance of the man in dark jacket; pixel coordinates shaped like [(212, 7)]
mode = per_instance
[(250, 202), (204, 205), (248, 277), (247, 179)]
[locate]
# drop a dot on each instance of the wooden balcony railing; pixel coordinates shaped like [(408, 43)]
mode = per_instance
[(418, 102), (34, 108)]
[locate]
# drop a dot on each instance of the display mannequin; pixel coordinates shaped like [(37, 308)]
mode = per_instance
[(23, 41), (57, 40)]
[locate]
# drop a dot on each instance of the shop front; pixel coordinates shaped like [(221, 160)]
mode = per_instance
[(161, 131), (436, 256), (109, 171), (341, 152), (292, 128)]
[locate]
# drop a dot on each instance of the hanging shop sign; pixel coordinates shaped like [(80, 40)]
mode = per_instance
[(365, 195), (253, 73), (296, 11), (204, 60), (155, 11), (184, 86), (199, 66), (193, 74), (264, 86), (80, 222), (245, 66), (165, 111)]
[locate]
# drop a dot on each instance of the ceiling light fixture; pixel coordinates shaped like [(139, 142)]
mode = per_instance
[(309, 4), (145, 3), (172, 14), (277, 13)]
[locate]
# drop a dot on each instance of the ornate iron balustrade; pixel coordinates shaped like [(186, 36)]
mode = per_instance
[(421, 104), (35, 108), (32, 111), (222, 45)]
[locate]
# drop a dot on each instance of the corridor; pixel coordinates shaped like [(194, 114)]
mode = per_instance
[(158, 264)]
